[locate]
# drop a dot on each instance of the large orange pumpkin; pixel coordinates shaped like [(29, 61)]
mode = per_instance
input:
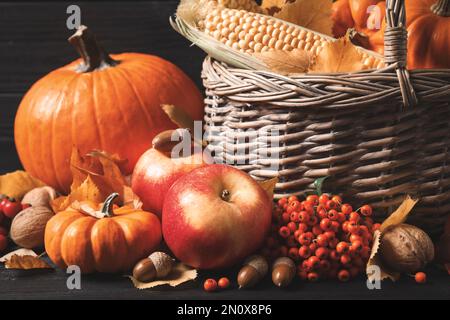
[(111, 244), (428, 23), (111, 103)]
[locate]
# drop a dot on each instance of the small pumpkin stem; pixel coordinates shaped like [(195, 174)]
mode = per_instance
[(107, 207), (442, 8), (93, 55)]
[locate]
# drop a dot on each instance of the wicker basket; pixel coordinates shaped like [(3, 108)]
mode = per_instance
[(377, 134)]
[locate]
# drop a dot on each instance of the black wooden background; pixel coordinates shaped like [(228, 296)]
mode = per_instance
[(32, 43)]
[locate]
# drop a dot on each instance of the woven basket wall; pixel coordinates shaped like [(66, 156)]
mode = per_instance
[(378, 134)]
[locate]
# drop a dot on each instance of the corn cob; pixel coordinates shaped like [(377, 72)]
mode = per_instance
[(252, 32)]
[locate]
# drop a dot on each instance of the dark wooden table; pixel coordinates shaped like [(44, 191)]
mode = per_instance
[(32, 43)]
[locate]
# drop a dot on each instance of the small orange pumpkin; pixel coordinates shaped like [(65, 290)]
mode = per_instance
[(427, 21), (111, 244), (100, 102)]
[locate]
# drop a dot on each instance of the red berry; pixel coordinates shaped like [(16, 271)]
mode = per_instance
[(302, 274), (313, 276), (291, 242), (333, 215), (2, 203), (353, 227), (282, 202), (313, 247), (346, 209), (330, 235), (322, 240), (345, 259), (293, 253), (284, 232), (322, 213), (3, 243), (308, 207), (341, 217), (323, 199), (342, 247), (322, 253), (356, 246), (316, 230), (303, 227), (344, 275), (285, 217), (304, 252), (292, 199), (297, 234), (292, 226), (305, 265), (305, 238), (420, 277), (313, 262), (355, 237), (335, 226), (366, 210), (11, 209), (293, 206), (334, 255), (295, 217), (354, 216), (2, 217), (376, 227), (330, 204), (325, 224), (325, 265), (223, 283), (345, 226), (3, 232), (314, 199), (303, 217), (333, 243), (365, 252), (337, 199), (313, 221)]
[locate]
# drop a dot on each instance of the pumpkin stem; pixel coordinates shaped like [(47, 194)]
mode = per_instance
[(441, 8), (92, 53), (108, 205)]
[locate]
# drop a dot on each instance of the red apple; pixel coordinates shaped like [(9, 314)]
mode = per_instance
[(156, 171), (215, 216)]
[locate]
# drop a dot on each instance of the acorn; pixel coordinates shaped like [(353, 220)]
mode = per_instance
[(283, 272), (157, 266), (253, 271)]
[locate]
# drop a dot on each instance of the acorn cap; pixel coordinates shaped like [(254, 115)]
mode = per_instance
[(163, 263)]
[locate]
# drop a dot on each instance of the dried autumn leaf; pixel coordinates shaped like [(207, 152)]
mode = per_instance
[(178, 117), (269, 186), (180, 274), (285, 62), (312, 14), (87, 191), (339, 56), (26, 263), (18, 252), (18, 183), (96, 176), (397, 217), (273, 6)]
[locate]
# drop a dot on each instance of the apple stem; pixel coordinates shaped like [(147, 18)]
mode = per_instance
[(225, 195), (107, 207)]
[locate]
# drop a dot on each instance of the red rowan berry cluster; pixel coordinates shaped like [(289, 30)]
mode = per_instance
[(324, 236)]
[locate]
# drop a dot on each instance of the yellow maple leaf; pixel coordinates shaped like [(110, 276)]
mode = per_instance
[(339, 56), (18, 183), (314, 15)]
